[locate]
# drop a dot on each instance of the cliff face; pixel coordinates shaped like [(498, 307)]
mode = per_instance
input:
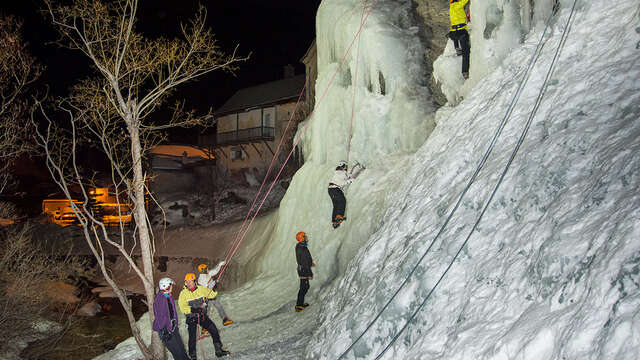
[(433, 15)]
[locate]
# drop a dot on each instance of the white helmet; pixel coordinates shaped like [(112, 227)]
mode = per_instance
[(342, 163), (164, 283)]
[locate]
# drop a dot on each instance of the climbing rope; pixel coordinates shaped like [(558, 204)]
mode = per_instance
[(500, 179), (275, 155), (244, 231), (355, 84), (469, 183)]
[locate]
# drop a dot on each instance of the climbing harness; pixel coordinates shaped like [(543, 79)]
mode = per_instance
[(462, 195)]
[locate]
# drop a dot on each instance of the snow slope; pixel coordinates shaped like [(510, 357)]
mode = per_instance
[(553, 269)]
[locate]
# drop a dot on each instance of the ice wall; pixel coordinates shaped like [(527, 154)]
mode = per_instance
[(393, 117), (392, 113), (552, 271), (497, 27)]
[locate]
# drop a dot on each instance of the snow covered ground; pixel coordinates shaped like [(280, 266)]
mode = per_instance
[(553, 269)]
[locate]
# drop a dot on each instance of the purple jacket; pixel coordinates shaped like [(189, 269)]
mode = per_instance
[(161, 311)]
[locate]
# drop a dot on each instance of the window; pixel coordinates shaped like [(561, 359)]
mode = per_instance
[(267, 120), (236, 153)]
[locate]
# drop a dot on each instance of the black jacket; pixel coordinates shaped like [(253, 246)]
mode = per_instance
[(303, 257)]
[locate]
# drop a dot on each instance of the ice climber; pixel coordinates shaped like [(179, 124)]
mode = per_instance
[(192, 302), (458, 32), (340, 179), (305, 262), (209, 280), (166, 320)]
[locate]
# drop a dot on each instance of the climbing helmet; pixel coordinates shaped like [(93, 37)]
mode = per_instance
[(165, 283), (202, 268)]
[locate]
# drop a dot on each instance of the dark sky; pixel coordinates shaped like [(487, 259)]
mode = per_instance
[(275, 32)]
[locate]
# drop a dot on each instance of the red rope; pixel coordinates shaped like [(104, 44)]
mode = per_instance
[(304, 129), (355, 83), (275, 155)]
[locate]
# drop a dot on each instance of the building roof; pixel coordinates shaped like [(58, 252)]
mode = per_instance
[(178, 157), (178, 150), (264, 94)]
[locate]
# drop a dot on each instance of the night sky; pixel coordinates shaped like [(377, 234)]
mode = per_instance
[(275, 32)]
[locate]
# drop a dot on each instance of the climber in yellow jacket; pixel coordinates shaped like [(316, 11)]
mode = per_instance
[(193, 304), (458, 32)]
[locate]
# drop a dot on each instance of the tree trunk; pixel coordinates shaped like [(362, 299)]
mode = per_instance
[(140, 213)]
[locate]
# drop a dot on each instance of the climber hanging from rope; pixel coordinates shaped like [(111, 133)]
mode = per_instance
[(209, 278), (458, 32), (341, 178)]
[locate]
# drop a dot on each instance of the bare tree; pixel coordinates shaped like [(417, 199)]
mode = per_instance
[(134, 76), (27, 270), (18, 71)]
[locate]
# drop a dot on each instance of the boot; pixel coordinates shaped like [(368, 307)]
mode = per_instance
[(226, 321), (299, 308), (220, 352)]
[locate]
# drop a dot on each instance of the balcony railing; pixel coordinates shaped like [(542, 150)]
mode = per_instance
[(246, 135)]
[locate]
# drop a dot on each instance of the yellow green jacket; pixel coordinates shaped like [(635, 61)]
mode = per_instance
[(457, 15), (187, 295)]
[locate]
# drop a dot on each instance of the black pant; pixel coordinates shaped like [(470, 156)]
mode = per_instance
[(304, 287), (339, 202), (175, 346), (461, 41), (206, 323)]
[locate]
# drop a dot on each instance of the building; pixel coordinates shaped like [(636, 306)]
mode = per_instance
[(251, 123), (180, 168), (107, 207), (310, 61)]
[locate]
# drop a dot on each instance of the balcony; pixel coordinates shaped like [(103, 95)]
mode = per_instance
[(246, 135)]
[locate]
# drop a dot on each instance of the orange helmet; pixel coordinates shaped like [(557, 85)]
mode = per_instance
[(202, 268), (190, 276), (301, 236)]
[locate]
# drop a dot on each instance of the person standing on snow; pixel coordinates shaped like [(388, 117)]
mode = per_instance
[(305, 262), (192, 302), (458, 32), (340, 179), (208, 279), (166, 320)]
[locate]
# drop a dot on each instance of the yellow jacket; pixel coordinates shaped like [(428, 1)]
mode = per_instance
[(457, 15), (187, 295)]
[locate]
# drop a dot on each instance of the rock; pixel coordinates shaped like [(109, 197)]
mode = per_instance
[(61, 292), (89, 309), (101, 289), (107, 294)]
